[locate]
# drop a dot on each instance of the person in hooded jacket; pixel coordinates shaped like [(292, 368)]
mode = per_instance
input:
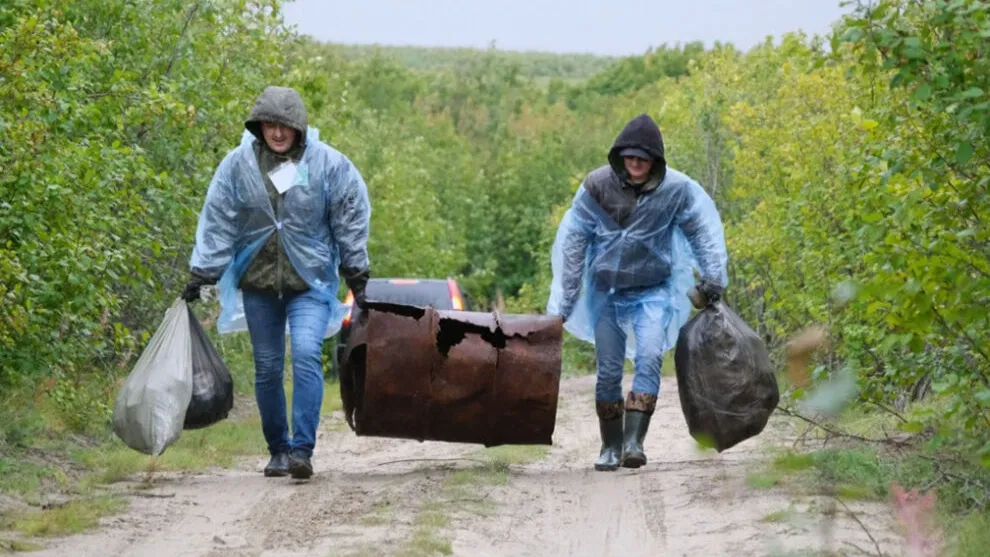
[(623, 262), (284, 217)]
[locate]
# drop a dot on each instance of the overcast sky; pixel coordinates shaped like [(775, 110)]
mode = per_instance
[(615, 27)]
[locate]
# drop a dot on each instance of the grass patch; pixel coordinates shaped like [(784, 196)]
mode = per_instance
[(428, 538), (763, 480), (235, 350), (515, 454), (216, 446), (71, 518), (432, 515), (40, 458), (25, 478), (219, 445), (479, 475), (17, 546), (865, 473), (577, 357), (427, 542), (496, 465), (793, 462), (855, 467), (851, 473), (778, 517), (378, 516), (972, 536)]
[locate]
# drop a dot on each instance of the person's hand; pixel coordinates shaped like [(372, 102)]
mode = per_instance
[(712, 291), (194, 287), (192, 290), (357, 281), (566, 309), (360, 300)]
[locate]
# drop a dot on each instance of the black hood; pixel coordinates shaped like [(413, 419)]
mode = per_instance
[(282, 105), (643, 133)]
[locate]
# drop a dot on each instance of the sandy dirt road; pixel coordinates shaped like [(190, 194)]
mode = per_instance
[(369, 496)]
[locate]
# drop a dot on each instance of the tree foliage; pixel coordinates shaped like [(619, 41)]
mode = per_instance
[(532, 64), (111, 116)]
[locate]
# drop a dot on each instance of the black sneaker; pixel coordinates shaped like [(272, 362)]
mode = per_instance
[(299, 466), (278, 466)]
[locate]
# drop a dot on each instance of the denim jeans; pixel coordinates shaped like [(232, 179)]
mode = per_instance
[(610, 349), (308, 317)]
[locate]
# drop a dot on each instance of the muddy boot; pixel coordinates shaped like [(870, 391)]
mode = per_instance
[(300, 466), (610, 426), (639, 410), (278, 466)]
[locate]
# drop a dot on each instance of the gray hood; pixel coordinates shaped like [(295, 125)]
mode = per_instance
[(278, 104)]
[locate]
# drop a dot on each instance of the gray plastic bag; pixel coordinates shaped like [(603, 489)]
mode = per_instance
[(151, 407)]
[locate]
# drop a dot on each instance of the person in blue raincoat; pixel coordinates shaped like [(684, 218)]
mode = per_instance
[(284, 217), (624, 261)]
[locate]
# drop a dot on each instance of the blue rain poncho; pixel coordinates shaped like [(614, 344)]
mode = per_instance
[(647, 266), (325, 219)]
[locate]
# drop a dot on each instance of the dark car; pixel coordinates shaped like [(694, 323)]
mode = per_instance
[(437, 293)]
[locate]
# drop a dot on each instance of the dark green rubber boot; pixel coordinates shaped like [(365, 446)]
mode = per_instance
[(610, 426), (633, 455), (639, 410)]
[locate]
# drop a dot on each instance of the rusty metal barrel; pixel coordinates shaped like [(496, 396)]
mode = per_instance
[(466, 377)]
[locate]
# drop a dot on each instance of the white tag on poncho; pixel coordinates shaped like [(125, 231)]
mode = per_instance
[(284, 176)]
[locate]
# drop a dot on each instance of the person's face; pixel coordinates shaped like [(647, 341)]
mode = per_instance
[(638, 169), (278, 137)]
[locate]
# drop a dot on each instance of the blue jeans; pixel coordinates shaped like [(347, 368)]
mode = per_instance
[(610, 349), (308, 317)]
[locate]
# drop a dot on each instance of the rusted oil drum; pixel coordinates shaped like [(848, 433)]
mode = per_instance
[(466, 377)]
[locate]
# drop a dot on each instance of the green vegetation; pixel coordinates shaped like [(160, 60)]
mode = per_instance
[(71, 518), (853, 470), (15, 546), (533, 65), (851, 171), (52, 465)]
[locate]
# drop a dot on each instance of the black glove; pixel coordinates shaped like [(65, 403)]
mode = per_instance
[(193, 287), (359, 298), (357, 280), (712, 291)]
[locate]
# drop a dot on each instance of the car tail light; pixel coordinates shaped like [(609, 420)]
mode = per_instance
[(349, 302), (455, 295)]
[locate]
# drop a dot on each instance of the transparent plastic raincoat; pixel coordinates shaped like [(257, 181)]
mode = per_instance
[(647, 266), (325, 219)]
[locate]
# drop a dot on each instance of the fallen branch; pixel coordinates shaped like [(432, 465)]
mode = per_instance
[(887, 409), (861, 525), (899, 441), (151, 495), (939, 478), (856, 547), (967, 482), (803, 435)]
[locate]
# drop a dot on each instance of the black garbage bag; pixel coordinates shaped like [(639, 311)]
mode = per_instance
[(724, 377), (213, 387)]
